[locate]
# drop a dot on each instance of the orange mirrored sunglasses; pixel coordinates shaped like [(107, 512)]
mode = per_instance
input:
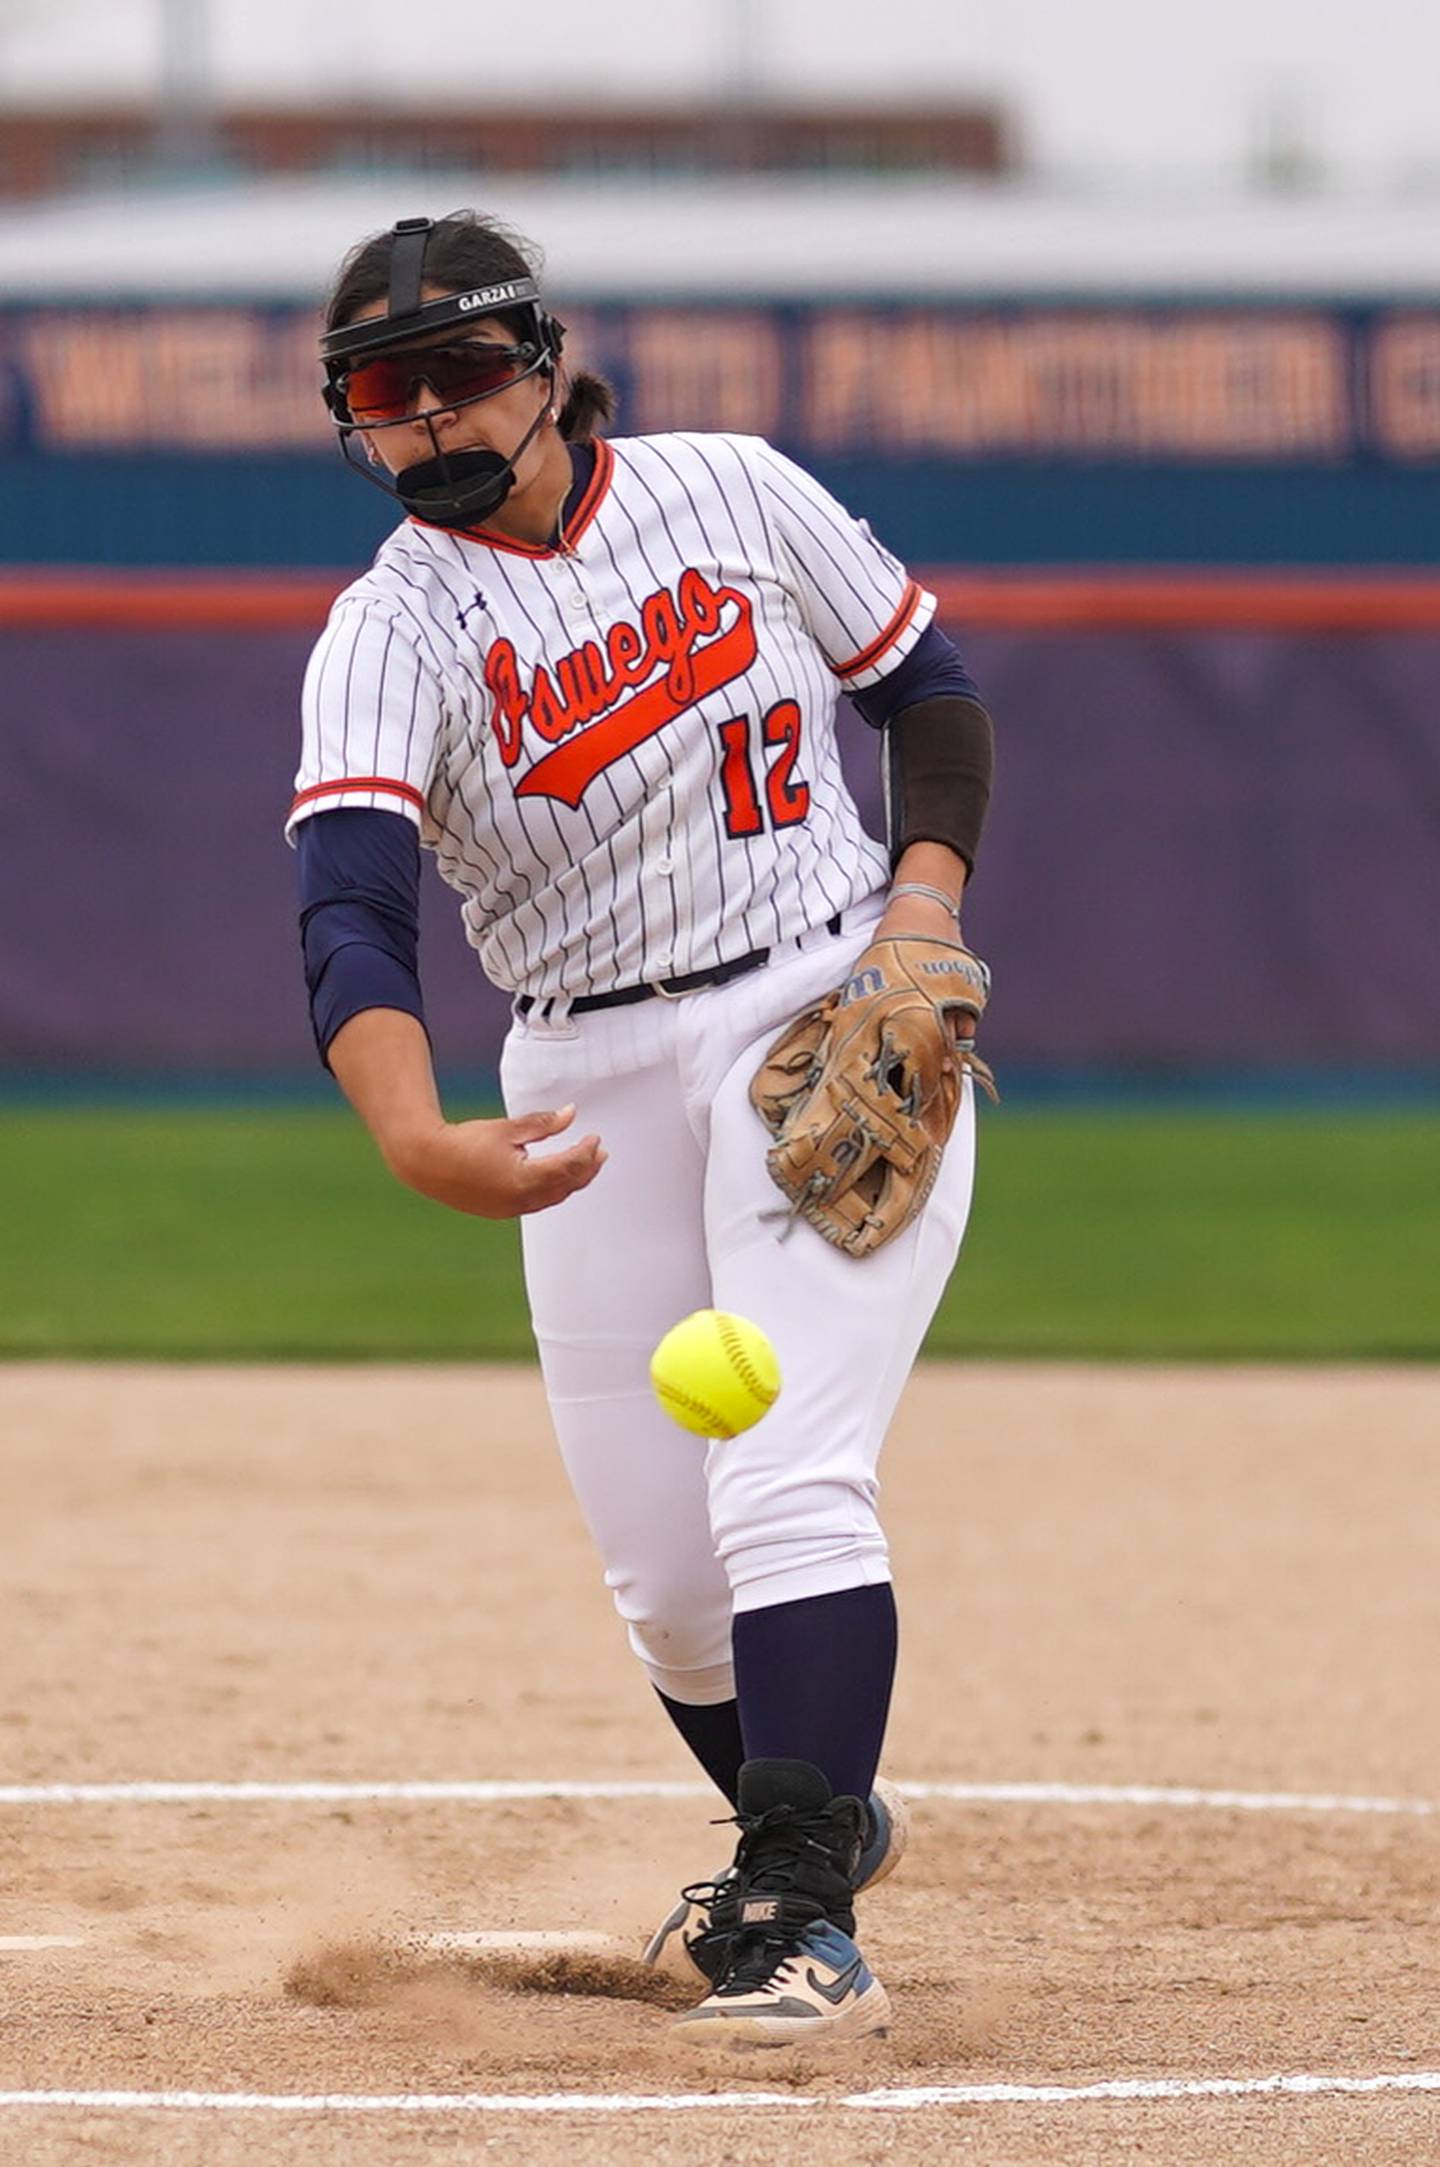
[(384, 389)]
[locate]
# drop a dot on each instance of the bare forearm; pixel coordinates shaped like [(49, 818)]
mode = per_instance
[(929, 865), (381, 1060)]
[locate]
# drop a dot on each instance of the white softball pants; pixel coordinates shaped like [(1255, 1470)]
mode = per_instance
[(683, 1217)]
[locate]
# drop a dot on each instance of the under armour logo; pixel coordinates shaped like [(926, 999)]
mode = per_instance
[(470, 608)]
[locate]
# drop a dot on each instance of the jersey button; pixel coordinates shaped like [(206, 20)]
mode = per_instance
[(574, 603), (664, 865)]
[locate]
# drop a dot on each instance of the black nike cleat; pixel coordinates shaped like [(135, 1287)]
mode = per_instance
[(779, 1950)]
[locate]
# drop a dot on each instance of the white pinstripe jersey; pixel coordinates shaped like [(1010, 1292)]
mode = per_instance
[(622, 753)]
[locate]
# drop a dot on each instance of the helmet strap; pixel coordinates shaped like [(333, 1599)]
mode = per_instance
[(407, 265)]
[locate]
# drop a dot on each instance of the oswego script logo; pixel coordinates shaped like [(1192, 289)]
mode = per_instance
[(579, 708)]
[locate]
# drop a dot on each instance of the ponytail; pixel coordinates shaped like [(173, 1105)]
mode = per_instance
[(589, 405)]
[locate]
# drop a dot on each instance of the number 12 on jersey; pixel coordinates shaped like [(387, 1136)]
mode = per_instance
[(786, 796)]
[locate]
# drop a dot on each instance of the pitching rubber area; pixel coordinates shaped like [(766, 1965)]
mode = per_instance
[(332, 1807)]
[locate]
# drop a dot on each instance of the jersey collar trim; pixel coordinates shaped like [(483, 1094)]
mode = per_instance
[(575, 523)]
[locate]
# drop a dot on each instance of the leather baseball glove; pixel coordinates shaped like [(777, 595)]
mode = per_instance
[(861, 1092)]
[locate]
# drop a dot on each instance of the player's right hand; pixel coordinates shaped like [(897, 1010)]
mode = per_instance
[(485, 1167)]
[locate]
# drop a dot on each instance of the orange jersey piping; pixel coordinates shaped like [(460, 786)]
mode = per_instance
[(387, 783), (869, 656)]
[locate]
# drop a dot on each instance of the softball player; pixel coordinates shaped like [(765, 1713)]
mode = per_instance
[(598, 679)]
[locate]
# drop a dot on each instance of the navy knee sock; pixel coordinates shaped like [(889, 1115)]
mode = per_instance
[(713, 1735), (814, 1681)]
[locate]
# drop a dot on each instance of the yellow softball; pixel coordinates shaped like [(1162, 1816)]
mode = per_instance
[(715, 1373)]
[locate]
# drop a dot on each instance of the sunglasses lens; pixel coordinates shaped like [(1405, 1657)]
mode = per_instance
[(384, 389)]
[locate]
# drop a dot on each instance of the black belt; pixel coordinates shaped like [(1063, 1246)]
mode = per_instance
[(666, 988)]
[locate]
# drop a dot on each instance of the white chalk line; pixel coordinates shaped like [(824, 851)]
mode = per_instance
[(503, 1793), (895, 2099), (525, 1941)]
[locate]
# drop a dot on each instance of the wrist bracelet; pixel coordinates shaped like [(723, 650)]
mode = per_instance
[(931, 895)]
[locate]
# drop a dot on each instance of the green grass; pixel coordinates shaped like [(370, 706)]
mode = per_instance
[(204, 1233)]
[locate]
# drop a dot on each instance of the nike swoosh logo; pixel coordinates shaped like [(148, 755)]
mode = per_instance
[(838, 1988)]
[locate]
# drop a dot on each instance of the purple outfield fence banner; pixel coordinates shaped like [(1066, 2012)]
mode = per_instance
[(1004, 430), (1022, 378), (1208, 850)]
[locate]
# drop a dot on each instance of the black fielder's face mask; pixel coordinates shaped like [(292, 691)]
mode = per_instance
[(374, 367)]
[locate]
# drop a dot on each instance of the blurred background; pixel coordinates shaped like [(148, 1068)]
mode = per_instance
[(1124, 331)]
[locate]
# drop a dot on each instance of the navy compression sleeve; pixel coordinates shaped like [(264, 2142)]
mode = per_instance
[(359, 880), (939, 748), (932, 670)]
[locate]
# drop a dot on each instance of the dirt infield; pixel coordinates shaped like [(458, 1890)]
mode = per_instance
[(1222, 1580)]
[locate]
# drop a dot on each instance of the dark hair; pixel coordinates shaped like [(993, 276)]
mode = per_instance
[(464, 249)]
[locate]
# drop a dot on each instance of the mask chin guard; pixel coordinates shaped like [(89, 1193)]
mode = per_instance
[(457, 489)]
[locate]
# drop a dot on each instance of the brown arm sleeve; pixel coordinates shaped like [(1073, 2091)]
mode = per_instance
[(939, 760)]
